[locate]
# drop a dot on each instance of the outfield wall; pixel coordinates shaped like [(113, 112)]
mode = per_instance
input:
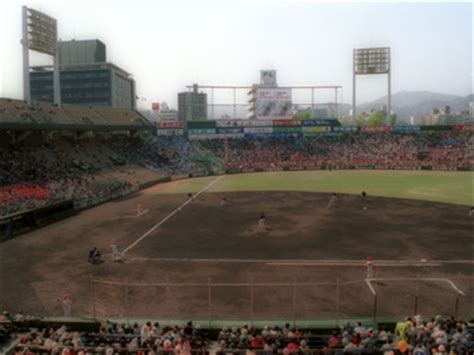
[(221, 129)]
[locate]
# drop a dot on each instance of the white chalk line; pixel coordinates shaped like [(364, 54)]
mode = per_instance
[(301, 262), (371, 288), (379, 264), (156, 226), (432, 279)]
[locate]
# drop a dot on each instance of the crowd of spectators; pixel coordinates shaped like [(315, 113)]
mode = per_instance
[(438, 150), (113, 338), (37, 176), (172, 155), (32, 177), (269, 340), (412, 336)]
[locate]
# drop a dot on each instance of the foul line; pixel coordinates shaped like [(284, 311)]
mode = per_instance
[(367, 281), (156, 226), (300, 262), (336, 263)]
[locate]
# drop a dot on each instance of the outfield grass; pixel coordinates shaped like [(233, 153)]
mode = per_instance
[(450, 187)]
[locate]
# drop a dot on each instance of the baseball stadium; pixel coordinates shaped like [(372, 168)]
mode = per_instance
[(272, 234), (183, 215)]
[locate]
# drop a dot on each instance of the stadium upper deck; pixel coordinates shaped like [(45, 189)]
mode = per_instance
[(18, 113)]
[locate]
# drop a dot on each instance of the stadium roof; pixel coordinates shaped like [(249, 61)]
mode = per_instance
[(84, 66)]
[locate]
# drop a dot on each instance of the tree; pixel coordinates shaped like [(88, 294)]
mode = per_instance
[(302, 115), (393, 119), (376, 118)]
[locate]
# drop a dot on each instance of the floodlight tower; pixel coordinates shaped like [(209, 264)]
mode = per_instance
[(40, 34), (369, 61)]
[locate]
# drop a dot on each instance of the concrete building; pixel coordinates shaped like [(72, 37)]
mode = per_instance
[(86, 78), (192, 105), (166, 113), (446, 117), (81, 52)]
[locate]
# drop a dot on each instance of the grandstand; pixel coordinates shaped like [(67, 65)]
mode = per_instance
[(16, 113)]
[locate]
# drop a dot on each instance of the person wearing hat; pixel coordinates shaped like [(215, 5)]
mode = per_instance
[(369, 265), (67, 305), (402, 347), (261, 221)]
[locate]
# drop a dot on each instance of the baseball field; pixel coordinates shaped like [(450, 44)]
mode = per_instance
[(196, 259)]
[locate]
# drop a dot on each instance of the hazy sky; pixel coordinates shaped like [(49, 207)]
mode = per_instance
[(167, 45)]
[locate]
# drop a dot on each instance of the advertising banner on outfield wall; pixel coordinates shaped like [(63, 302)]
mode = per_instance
[(259, 123), (317, 122), (200, 124), (231, 123), (214, 136), (196, 131), (258, 130), (169, 132), (316, 134), (170, 124), (437, 128), (317, 129), (286, 134), (286, 123), (286, 129), (258, 135), (375, 129), (231, 130), (405, 128), (461, 127), (345, 129)]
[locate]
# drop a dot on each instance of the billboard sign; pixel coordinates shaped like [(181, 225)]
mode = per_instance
[(318, 129), (374, 128), (345, 128), (42, 32), (230, 130), (273, 103), (258, 130), (461, 127), (286, 123), (155, 106), (372, 60), (170, 132), (170, 124), (405, 128)]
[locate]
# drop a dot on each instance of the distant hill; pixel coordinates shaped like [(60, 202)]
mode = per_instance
[(419, 103)]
